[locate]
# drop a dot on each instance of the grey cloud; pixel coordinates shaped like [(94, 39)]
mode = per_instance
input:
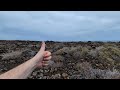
[(58, 25)]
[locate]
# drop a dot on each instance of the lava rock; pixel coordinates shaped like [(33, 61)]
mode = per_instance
[(64, 75), (29, 53), (56, 76), (0, 57)]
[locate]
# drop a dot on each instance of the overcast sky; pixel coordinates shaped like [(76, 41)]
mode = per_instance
[(60, 25)]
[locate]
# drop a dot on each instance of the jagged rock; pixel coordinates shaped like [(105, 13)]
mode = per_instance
[(66, 58), (64, 75), (56, 76), (29, 53), (0, 57)]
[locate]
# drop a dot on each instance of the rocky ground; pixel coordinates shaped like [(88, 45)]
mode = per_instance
[(71, 60)]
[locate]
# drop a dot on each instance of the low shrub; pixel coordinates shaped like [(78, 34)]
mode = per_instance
[(62, 51), (87, 72)]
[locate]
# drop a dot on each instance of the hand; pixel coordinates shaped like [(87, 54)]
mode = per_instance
[(42, 57), (24, 70)]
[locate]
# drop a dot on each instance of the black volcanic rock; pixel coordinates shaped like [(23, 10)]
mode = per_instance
[(29, 53), (70, 60)]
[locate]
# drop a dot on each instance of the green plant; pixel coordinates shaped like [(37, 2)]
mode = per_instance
[(62, 51), (87, 72), (109, 55), (84, 52), (12, 55), (58, 58), (106, 44), (80, 53)]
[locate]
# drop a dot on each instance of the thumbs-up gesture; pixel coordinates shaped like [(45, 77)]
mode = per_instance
[(42, 57)]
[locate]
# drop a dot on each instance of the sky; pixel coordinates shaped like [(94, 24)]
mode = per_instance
[(60, 25)]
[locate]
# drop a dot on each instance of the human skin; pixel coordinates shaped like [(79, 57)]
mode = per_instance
[(22, 71)]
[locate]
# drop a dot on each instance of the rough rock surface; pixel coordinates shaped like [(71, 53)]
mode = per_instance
[(71, 60)]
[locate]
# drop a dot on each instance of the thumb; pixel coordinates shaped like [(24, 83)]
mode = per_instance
[(42, 49), (40, 53)]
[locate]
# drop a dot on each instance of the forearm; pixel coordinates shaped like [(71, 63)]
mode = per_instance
[(20, 72), (24, 70)]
